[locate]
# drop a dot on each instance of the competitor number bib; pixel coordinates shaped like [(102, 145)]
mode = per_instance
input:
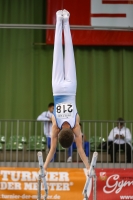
[(64, 110)]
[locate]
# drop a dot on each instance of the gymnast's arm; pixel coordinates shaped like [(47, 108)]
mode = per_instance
[(78, 140), (54, 140)]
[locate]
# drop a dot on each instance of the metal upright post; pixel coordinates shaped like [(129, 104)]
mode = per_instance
[(42, 176), (94, 187), (39, 188), (91, 175)]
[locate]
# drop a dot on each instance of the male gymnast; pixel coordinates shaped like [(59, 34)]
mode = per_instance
[(65, 120)]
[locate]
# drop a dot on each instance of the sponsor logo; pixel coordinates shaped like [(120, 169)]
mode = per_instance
[(103, 176), (26, 180), (115, 184)]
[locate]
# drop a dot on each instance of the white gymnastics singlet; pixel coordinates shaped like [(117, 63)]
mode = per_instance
[(65, 110), (64, 81)]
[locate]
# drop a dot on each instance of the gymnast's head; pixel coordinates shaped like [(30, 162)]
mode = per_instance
[(66, 136)]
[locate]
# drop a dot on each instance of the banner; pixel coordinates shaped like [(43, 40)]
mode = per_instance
[(21, 183), (65, 184), (114, 184), (107, 13)]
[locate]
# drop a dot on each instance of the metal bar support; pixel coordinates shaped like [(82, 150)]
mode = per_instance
[(73, 27), (92, 175), (39, 188), (94, 187), (41, 176)]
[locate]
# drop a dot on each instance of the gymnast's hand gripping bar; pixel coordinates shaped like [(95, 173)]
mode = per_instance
[(42, 176), (90, 175)]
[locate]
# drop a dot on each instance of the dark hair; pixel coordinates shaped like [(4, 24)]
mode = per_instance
[(50, 105), (66, 137), (120, 121)]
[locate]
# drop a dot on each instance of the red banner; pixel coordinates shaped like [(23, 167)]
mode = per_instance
[(94, 13), (114, 184)]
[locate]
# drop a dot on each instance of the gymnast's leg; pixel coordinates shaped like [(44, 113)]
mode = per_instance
[(69, 62), (57, 71)]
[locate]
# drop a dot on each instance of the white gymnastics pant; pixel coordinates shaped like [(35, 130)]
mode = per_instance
[(64, 73)]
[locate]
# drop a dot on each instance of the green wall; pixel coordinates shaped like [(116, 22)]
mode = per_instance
[(104, 74)]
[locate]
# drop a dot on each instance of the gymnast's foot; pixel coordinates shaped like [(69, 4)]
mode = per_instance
[(66, 15), (59, 15)]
